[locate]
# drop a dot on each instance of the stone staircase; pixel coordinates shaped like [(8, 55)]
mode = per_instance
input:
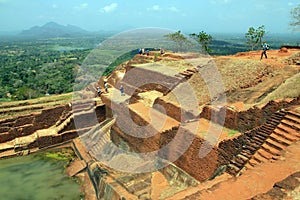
[(281, 130), (187, 73), (83, 105), (137, 184), (99, 145), (97, 139)]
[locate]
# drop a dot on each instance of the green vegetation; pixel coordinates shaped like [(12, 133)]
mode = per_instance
[(232, 132), (33, 68), (203, 39), (64, 154), (295, 13), (254, 36), (125, 57), (179, 39)]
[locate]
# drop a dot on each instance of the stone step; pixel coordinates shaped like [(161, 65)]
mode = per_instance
[(61, 120), (240, 161), (255, 146), (272, 122), (122, 191), (77, 107), (265, 154), (248, 166), (291, 125), (144, 194), (246, 154), (133, 180), (266, 128), (255, 143), (270, 149), (236, 163), (232, 169), (275, 144), (186, 74), (244, 158), (64, 124), (261, 137), (251, 149), (253, 162), (95, 150), (292, 118), (194, 70), (280, 139), (285, 135), (295, 114), (280, 113), (288, 130), (258, 139), (264, 134), (260, 159), (78, 110), (269, 126), (179, 76), (281, 128)]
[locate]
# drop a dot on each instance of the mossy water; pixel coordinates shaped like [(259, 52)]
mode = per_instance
[(37, 177)]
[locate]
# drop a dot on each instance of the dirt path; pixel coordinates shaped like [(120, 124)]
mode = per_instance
[(259, 180), (274, 56)]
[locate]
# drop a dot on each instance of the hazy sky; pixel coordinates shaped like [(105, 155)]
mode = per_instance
[(186, 15)]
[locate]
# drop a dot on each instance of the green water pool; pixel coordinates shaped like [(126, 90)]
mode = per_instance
[(36, 178)]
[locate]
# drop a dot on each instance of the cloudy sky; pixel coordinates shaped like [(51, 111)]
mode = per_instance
[(212, 16)]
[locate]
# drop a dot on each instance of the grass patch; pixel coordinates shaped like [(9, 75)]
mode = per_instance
[(58, 156), (232, 132), (64, 154)]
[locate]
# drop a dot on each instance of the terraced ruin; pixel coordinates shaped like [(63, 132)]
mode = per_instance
[(178, 132)]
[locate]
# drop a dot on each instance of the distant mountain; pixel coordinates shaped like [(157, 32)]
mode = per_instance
[(52, 30)]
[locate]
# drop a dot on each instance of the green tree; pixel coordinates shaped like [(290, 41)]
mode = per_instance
[(203, 39), (295, 14), (24, 93), (179, 39), (254, 36)]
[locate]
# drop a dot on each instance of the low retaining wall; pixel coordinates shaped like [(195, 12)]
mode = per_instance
[(147, 80), (28, 124), (249, 119)]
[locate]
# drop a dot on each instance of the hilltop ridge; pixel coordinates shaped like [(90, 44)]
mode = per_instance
[(52, 30)]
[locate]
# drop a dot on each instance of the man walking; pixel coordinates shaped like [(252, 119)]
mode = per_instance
[(265, 47)]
